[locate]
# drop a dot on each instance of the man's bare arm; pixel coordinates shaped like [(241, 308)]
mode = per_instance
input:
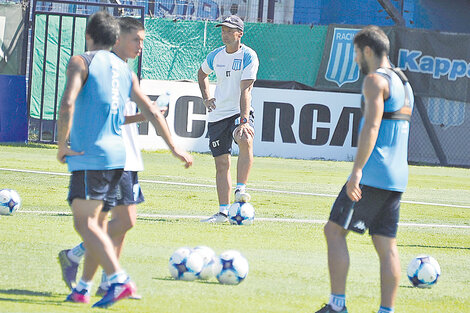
[(153, 115), (373, 90), (203, 81), (76, 76), (245, 105)]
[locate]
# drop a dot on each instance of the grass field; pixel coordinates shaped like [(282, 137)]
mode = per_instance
[(288, 266)]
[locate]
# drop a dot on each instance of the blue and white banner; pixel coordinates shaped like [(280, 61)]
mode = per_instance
[(288, 123), (341, 67), (437, 64)]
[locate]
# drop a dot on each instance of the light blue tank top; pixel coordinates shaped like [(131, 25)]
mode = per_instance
[(387, 167), (99, 114)]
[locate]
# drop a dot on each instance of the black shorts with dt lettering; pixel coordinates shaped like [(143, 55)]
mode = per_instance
[(128, 191), (221, 133), (95, 185), (378, 210)]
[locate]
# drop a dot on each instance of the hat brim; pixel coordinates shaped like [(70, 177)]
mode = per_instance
[(229, 25)]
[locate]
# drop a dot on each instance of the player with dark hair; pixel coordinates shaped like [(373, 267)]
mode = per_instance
[(230, 113), (99, 84), (371, 196)]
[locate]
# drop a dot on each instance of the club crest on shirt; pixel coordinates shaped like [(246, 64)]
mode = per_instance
[(237, 64)]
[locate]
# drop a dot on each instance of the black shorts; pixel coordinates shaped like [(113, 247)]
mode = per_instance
[(129, 191), (378, 210), (221, 133), (95, 185)]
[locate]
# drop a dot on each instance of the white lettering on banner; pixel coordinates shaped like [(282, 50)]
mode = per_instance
[(2, 34), (437, 66), (345, 36), (115, 88), (288, 123)]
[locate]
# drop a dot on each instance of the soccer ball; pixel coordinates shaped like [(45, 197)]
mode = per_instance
[(232, 268), (210, 258), (10, 201), (185, 264), (423, 271), (241, 213)]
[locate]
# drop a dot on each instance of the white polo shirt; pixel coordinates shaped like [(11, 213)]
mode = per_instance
[(230, 69), (130, 134)]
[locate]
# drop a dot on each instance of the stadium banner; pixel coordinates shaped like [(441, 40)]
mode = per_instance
[(436, 63), (11, 38), (288, 123)]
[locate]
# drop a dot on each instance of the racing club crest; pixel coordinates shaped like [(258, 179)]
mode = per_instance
[(341, 67), (237, 64)]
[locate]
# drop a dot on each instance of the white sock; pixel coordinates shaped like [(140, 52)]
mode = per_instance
[(76, 253), (118, 277), (337, 302), (83, 285), (223, 208)]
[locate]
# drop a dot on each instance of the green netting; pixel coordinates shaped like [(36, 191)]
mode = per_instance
[(51, 64), (174, 50)]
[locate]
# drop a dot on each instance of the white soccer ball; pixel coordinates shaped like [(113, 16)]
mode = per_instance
[(423, 271), (232, 268), (10, 201), (241, 213), (210, 258), (184, 264)]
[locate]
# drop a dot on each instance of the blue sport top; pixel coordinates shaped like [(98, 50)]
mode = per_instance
[(99, 114), (387, 166)]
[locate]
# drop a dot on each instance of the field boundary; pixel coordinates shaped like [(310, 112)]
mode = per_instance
[(261, 219), (253, 189)]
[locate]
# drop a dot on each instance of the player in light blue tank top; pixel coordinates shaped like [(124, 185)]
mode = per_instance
[(91, 114), (103, 97), (387, 166), (370, 199)]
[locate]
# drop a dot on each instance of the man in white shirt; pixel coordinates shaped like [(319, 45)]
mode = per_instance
[(230, 112)]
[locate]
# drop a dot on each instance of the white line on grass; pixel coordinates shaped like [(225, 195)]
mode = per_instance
[(261, 219), (254, 189)]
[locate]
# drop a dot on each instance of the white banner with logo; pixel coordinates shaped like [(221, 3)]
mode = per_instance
[(288, 123)]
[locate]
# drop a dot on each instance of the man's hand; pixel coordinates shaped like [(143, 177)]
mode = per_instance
[(183, 156), (245, 130), (209, 104), (353, 190), (65, 151)]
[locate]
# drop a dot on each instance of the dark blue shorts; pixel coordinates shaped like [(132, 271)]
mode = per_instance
[(221, 133), (378, 210), (129, 191), (95, 185)]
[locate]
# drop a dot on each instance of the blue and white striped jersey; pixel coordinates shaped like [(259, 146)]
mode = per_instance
[(230, 69)]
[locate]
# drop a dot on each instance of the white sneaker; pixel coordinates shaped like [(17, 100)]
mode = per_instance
[(242, 196), (217, 218)]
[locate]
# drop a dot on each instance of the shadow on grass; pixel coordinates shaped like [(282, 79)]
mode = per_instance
[(56, 299), (21, 292), (435, 247), (29, 145), (195, 281)]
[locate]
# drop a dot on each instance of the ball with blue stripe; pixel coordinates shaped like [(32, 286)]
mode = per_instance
[(185, 264), (423, 271), (10, 201), (241, 213), (232, 268)]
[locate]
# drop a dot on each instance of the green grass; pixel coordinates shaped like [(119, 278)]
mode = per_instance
[(288, 267)]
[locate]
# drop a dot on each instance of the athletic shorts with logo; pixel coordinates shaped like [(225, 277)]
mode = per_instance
[(378, 210), (128, 191), (95, 185), (221, 133)]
